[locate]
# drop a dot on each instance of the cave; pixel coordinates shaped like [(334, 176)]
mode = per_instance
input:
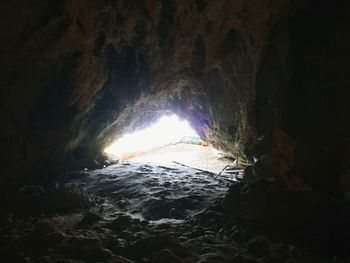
[(264, 85)]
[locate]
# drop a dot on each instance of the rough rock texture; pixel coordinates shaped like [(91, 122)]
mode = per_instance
[(183, 223), (75, 74), (276, 197)]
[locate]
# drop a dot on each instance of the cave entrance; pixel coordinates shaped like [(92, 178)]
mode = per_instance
[(169, 140)]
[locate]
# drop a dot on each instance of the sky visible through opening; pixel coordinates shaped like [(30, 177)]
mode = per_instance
[(166, 131)]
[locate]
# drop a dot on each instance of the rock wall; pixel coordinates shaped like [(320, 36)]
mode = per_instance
[(76, 73)]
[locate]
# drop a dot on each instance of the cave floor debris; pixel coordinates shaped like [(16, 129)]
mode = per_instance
[(140, 213), (155, 192)]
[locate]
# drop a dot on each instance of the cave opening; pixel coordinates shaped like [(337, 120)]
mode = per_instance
[(265, 82), (167, 140), (166, 131)]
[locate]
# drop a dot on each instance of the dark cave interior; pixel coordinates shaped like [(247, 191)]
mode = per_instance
[(264, 81)]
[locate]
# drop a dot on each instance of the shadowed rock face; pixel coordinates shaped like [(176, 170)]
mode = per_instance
[(75, 74)]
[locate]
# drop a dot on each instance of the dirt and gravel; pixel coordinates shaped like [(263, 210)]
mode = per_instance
[(130, 212)]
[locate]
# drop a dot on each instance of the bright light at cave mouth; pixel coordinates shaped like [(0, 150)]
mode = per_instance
[(168, 130)]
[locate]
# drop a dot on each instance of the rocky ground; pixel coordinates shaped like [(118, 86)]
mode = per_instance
[(131, 212)]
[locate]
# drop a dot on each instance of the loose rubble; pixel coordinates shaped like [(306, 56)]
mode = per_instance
[(129, 213)]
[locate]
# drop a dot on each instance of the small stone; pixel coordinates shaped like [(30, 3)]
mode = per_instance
[(167, 184), (121, 223), (90, 218), (122, 203), (144, 222), (126, 235)]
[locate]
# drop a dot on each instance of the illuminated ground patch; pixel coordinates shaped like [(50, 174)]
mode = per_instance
[(167, 131)]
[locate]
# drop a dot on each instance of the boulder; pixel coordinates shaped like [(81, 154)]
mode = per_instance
[(276, 151), (280, 158), (122, 222), (89, 219), (70, 198), (37, 199)]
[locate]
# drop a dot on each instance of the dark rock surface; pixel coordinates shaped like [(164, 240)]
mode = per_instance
[(275, 198), (76, 74), (138, 232)]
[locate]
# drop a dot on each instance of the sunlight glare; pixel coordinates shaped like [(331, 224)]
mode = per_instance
[(168, 130)]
